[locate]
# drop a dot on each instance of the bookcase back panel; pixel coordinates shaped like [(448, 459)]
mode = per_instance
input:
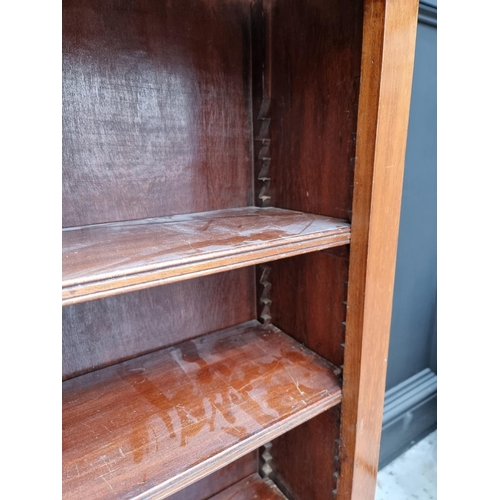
[(156, 108), (103, 332), (313, 72)]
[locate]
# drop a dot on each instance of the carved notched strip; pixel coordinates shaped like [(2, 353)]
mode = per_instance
[(262, 147), (265, 292)]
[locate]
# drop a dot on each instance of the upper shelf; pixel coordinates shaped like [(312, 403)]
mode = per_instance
[(107, 259), (148, 427)]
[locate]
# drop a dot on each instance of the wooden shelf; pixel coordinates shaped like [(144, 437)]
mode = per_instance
[(251, 488), (150, 426), (107, 259)]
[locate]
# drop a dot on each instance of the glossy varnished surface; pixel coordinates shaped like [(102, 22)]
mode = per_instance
[(151, 426), (313, 77), (251, 488), (311, 68), (309, 293), (308, 302), (156, 108), (387, 67), (304, 460), (114, 258), (220, 480), (103, 332), (157, 121)]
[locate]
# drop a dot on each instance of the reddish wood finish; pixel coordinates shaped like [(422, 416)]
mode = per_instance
[(308, 294), (107, 259), (304, 460), (315, 68), (312, 77), (220, 480), (103, 332), (308, 302), (179, 107), (251, 488), (156, 108), (387, 66), (148, 427), (261, 102)]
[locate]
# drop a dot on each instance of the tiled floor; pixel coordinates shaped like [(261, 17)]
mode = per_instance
[(412, 475)]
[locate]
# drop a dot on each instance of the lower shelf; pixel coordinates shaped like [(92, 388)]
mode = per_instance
[(251, 488), (148, 427)]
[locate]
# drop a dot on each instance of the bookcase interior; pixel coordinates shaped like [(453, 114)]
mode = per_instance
[(199, 108)]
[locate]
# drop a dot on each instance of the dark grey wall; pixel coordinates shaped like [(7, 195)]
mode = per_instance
[(414, 305), (411, 397)]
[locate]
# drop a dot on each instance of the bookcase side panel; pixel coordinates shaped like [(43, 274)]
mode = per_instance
[(387, 69), (315, 68), (311, 75)]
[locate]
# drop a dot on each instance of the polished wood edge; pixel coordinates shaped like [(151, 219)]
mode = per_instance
[(204, 259), (389, 35), (114, 286), (238, 450)]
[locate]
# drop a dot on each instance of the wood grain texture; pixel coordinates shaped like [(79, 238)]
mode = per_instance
[(308, 294), (387, 66), (189, 106), (148, 427), (251, 488), (220, 480), (103, 332), (304, 459), (261, 102), (106, 259), (315, 68), (312, 80), (156, 108)]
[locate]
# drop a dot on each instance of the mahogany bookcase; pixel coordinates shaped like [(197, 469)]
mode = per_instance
[(232, 175)]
